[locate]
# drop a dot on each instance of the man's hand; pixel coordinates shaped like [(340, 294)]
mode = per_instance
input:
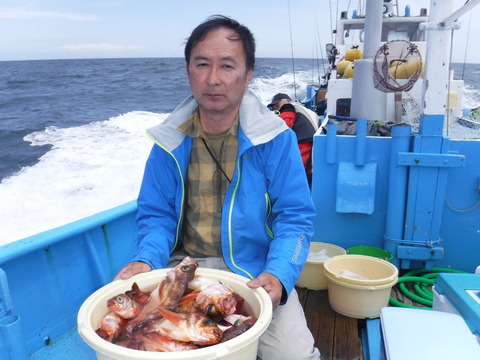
[(271, 284), (131, 269)]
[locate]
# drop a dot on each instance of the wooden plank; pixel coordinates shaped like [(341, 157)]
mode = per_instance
[(321, 320), (336, 336), (347, 344)]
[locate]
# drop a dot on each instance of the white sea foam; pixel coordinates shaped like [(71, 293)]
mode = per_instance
[(265, 87), (89, 169)]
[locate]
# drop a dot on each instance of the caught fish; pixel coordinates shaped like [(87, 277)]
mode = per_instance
[(138, 295), (166, 295), (110, 326), (217, 298), (154, 341), (183, 312), (187, 303), (214, 300), (195, 327), (201, 282), (238, 325), (128, 305), (173, 287)]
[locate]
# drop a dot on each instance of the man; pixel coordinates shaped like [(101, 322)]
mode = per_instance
[(221, 185), (303, 122)]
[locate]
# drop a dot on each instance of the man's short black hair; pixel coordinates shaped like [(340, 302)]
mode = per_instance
[(215, 22)]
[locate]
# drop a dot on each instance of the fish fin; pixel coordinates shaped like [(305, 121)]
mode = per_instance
[(136, 294), (170, 315), (189, 298), (136, 288)]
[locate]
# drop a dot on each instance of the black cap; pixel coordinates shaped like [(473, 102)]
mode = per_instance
[(277, 98)]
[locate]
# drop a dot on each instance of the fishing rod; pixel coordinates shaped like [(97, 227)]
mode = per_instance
[(291, 46)]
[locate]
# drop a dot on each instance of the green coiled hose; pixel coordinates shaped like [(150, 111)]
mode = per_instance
[(422, 279)]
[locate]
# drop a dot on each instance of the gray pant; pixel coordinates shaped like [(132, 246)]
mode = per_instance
[(287, 337)]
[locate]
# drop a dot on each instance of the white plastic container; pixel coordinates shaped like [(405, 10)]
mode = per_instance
[(244, 346), (361, 270), (417, 334), (356, 297), (312, 276)]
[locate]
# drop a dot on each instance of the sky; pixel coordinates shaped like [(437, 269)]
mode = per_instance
[(75, 29)]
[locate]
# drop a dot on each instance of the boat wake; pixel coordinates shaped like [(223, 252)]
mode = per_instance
[(89, 169)]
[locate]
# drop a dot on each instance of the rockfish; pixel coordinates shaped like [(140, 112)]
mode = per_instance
[(130, 304), (167, 294), (111, 326), (238, 325), (155, 342), (195, 327), (217, 298), (172, 288)]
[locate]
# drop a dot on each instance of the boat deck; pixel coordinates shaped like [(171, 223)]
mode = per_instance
[(337, 337)]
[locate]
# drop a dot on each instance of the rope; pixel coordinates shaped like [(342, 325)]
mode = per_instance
[(462, 211), (317, 45), (466, 44), (331, 22)]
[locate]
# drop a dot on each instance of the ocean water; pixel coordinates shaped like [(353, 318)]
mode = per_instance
[(72, 132)]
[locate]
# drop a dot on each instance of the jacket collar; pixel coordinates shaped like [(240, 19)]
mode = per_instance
[(257, 122)]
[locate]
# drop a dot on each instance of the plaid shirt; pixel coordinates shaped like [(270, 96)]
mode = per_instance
[(206, 186)]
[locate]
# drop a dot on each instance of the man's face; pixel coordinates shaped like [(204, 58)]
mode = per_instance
[(217, 73), (282, 102)]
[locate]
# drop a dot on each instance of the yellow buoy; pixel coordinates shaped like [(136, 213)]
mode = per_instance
[(353, 54), (413, 66), (349, 71), (341, 66), (402, 70), (398, 71)]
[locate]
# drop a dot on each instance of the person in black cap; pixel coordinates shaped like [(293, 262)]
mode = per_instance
[(302, 122)]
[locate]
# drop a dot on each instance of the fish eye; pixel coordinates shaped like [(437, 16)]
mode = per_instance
[(208, 322), (120, 299), (211, 310), (237, 322), (186, 268)]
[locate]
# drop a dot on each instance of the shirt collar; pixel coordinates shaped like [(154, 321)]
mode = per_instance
[(192, 127)]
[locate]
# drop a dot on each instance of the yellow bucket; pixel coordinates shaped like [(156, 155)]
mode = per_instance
[(244, 346), (359, 286), (312, 276)]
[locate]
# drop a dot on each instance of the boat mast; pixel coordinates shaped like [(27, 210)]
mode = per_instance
[(437, 67), (364, 93)]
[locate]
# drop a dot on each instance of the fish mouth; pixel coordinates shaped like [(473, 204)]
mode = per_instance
[(229, 305)]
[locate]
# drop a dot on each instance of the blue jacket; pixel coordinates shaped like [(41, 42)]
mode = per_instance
[(267, 216)]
